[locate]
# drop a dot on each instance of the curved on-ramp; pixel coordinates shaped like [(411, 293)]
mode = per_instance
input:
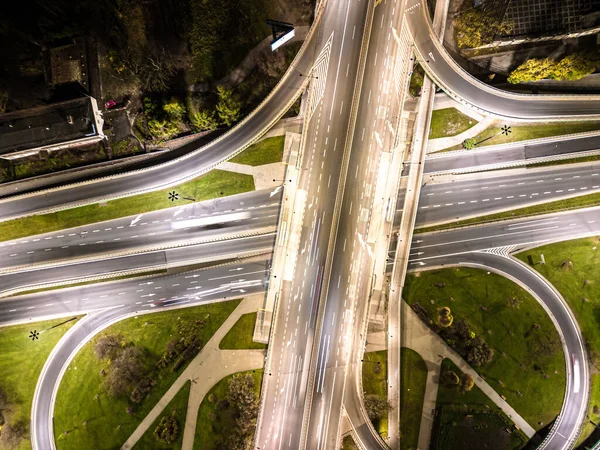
[(565, 430)]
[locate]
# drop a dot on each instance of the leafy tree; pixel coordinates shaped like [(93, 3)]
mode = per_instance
[(468, 144), (478, 26), (167, 430), (466, 382), (479, 352), (445, 318), (126, 370), (174, 110), (242, 398), (162, 130), (571, 67), (532, 70), (203, 120), (108, 346), (228, 106), (376, 406)]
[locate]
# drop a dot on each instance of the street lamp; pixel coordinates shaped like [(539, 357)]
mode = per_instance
[(175, 196)]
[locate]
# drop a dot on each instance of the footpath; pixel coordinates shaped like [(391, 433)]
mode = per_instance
[(419, 337), (207, 369)]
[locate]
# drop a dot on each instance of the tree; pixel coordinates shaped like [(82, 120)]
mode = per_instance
[(162, 130), (479, 353), (242, 397), (532, 70), (127, 369), (445, 318), (228, 106), (376, 406), (174, 110), (478, 26), (571, 67), (108, 346), (167, 429), (203, 120), (468, 143), (466, 382)]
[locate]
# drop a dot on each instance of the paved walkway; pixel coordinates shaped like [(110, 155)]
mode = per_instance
[(420, 338), (209, 367), (267, 175)]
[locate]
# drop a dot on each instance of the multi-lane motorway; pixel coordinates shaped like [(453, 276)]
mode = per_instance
[(350, 121)]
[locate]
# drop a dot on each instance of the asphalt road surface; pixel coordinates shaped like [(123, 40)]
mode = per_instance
[(509, 153), (150, 231), (191, 288), (468, 90)]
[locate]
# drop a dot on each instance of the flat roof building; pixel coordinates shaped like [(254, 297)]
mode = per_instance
[(51, 127)]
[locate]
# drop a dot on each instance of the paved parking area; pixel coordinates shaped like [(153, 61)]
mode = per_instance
[(547, 16)]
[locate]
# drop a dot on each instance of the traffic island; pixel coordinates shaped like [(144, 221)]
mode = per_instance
[(501, 331), (119, 376), (465, 417), (572, 268), (24, 349)]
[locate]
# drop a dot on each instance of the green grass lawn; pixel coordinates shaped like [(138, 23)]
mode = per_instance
[(579, 284), (348, 444), (240, 335), (582, 201), (466, 420), (107, 419), (177, 407), (528, 357), (530, 131), (592, 414), (449, 122), (214, 418), (374, 380), (413, 381), (217, 183), (20, 366), (267, 151)]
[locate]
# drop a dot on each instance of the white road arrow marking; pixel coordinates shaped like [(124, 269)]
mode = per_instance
[(136, 220), (277, 189), (431, 55)]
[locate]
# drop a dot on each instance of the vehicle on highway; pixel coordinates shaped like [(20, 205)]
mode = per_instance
[(575, 374), (216, 221)]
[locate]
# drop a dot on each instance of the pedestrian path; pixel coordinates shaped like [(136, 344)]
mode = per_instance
[(420, 338), (209, 367), (435, 145)]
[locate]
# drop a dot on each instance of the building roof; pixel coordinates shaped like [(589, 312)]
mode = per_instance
[(47, 125)]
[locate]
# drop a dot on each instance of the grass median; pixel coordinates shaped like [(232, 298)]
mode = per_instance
[(216, 183), (467, 419), (267, 151), (501, 330), (526, 132), (240, 335), (20, 367), (116, 379), (176, 409), (582, 201), (218, 412), (449, 122), (572, 268), (413, 380)]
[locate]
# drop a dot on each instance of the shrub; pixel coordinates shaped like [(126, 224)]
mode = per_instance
[(468, 143), (167, 430), (376, 406), (478, 26), (449, 377), (466, 382), (108, 346)]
